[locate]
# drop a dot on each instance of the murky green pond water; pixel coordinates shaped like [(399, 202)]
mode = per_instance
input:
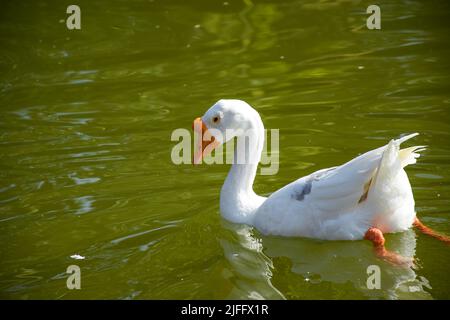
[(86, 118)]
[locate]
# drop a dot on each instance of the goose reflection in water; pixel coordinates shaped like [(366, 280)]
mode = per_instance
[(261, 266)]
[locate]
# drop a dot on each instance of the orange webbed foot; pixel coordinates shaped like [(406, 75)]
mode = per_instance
[(376, 237), (430, 232)]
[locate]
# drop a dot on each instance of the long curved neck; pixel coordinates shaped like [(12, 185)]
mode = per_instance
[(238, 201)]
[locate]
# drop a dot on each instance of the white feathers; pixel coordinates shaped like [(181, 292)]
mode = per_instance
[(405, 138), (409, 155), (342, 203)]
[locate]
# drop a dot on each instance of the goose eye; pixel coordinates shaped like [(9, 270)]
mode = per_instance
[(216, 119)]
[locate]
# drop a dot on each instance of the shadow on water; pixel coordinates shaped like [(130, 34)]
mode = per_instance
[(298, 268)]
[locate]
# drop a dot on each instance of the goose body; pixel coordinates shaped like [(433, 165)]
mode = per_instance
[(343, 202), (338, 203)]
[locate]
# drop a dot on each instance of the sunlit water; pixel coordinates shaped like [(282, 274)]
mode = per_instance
[(86, 118)]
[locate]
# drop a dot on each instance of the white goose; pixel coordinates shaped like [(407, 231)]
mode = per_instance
[(361, 199)]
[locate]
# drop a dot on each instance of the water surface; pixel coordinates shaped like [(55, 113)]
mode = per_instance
[(86, 118)]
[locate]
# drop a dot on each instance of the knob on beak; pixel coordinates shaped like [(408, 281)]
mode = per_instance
[(204, 141)]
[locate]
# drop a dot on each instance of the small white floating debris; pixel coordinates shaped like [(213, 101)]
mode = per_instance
[(414, 289), (77, 257), (360, 67), (197, 26)]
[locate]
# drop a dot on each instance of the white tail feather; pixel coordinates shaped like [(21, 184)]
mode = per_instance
[(409, 155), (403, 139), (393, 158)]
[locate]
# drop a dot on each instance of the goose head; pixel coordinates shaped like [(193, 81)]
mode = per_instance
[(225, 120)]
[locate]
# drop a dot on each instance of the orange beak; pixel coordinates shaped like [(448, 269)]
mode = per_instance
[(205, 143)]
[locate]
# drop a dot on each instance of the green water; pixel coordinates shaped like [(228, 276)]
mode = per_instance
[(86, 118)]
